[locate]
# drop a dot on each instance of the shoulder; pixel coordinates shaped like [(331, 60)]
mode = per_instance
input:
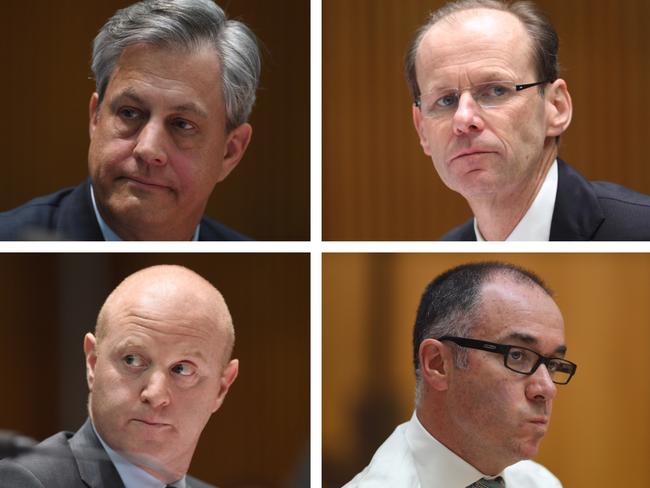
[(627, 212), (211, 230), (617, 195), (392, 465), (38, 219), (39, 469), (464, 232), (530, 474)]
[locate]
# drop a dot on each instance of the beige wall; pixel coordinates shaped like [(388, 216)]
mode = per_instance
[(377, 183), (46, 88), (601, 423)]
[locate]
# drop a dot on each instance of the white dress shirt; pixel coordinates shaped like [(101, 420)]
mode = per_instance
[(535, 225), (413, 458), (133, 476)]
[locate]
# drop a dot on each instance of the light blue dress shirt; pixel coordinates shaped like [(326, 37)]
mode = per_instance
[(133, 476)]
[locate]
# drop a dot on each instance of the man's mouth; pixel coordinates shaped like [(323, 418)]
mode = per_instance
[(147, 183), (470, 152)]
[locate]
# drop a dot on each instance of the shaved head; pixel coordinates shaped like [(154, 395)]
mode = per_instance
[(158, 366), (171, 287)]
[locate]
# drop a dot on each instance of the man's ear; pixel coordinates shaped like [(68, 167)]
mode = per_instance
[(435, 363), (93, 114), (236, 144), (90, 351), (227, 378), (418, 122), (559, 108)]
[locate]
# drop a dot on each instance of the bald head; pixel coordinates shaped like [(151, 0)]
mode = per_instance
[(171, 293), (159, 366)]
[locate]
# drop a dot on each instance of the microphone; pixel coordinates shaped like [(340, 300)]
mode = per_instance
[(12, 444)]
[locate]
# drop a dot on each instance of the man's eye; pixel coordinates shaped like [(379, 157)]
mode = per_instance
[(129, 114), (183, 124), (494, 91), (447, 101), (133, 360), (183, 369), (517, 354)]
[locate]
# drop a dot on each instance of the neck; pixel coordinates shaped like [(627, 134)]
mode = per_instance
[(498, 214), (441, 426)]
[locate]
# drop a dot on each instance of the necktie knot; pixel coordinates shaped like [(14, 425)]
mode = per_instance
[(489, 483)]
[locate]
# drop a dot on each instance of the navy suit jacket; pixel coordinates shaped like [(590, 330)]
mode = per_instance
[(69, 215), (67, 460), (587, 211)]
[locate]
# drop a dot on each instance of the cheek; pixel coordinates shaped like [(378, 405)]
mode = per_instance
[(106, 151)]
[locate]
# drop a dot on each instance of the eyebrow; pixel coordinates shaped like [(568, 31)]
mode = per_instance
[(530, 340), (131, 94)]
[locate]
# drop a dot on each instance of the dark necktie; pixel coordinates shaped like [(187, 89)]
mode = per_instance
[(485, 483)]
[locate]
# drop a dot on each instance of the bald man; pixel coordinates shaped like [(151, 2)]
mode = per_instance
[(158, 366)]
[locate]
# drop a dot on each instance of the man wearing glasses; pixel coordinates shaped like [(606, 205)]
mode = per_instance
[(489, 109), (488, 350)]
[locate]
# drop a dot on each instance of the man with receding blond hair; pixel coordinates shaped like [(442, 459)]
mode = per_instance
[(158, 366)]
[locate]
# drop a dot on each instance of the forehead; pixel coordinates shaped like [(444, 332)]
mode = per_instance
[(472, 42), (509, 308), (159, 74)]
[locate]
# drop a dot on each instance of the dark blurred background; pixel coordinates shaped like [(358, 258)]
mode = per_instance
[(259, 437), (377, 182), (46, 89)]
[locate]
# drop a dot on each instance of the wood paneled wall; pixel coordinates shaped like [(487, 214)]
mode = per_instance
[(377, 183), (259, 437), (46, 88), (601, 423)]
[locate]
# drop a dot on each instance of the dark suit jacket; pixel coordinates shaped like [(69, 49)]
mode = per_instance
[(587, 211), (67, 460), (69, 215)]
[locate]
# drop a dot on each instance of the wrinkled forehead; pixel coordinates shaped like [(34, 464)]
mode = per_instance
[(472, 44)]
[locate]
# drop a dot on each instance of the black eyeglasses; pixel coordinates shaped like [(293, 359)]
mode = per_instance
[(521, 359)]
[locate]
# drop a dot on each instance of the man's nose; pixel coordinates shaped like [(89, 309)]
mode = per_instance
[(151, 143), (541, 386), (467, 117), (155, 391)]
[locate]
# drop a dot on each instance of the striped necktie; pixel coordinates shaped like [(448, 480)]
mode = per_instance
[(486, 483)]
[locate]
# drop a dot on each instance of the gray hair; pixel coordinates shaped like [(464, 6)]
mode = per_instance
[(451, 306), (544, 38), (186, 24)]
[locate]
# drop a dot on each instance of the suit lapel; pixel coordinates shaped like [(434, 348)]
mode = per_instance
[(577, 214), (76, 220), (95, 467)]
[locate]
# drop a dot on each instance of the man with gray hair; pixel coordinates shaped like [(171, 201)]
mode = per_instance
[(158, 366), (489, 109), (175, 85), (488, 350)]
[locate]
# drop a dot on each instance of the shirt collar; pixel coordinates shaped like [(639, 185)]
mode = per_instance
[(133, 476), (437, 466), (535, 225), (109, 234)]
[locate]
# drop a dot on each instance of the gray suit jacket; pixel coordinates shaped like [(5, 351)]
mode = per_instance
[(67, 460)]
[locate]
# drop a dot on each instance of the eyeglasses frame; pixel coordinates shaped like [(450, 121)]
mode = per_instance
[(518, 87), (504, 349)]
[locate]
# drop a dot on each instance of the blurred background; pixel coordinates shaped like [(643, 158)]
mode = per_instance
[(46, 52), (377, 182), (260, 436), (601, 423)]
